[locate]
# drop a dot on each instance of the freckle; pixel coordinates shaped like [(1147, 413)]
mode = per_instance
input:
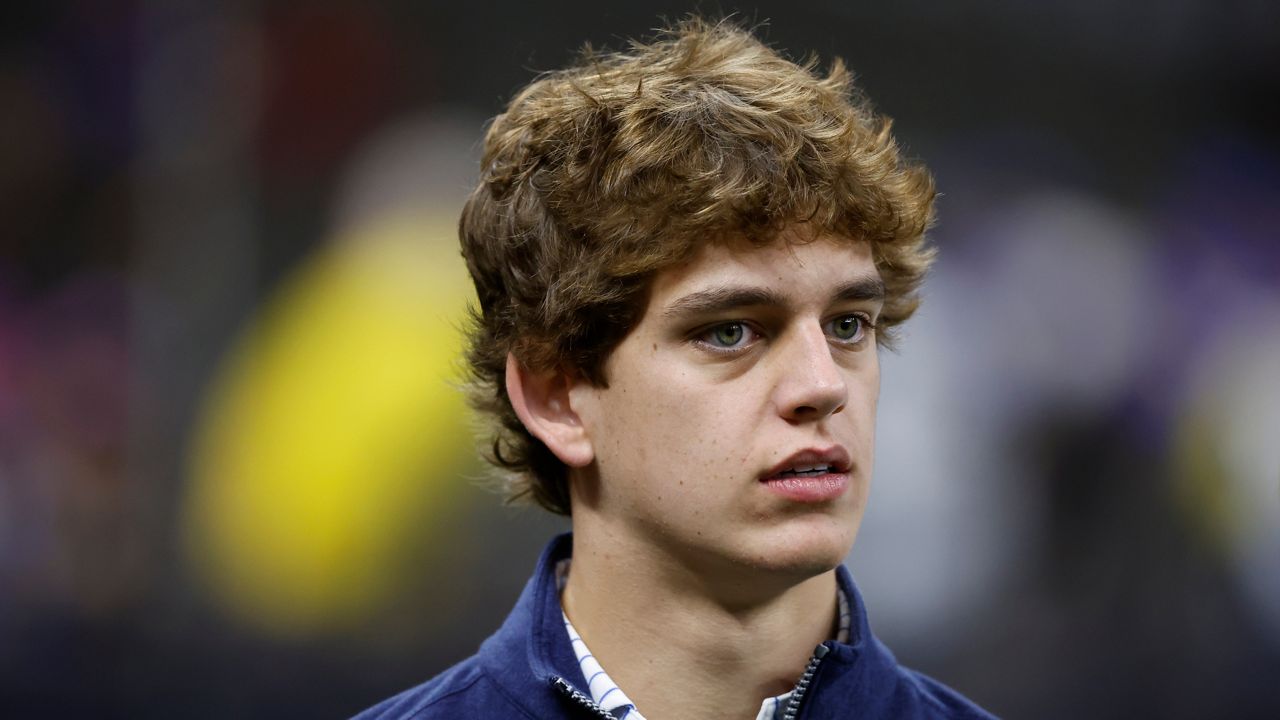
[(655, 347)]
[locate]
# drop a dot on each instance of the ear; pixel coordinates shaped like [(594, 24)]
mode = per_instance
[(541, 401)]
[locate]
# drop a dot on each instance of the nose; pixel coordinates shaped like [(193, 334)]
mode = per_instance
[(810, 384)]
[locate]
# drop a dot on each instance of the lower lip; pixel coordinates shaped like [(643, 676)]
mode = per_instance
[(809, 488)]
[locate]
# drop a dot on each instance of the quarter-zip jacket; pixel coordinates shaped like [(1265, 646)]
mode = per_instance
[(528, 670)]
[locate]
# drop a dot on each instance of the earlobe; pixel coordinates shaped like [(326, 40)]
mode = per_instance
[(541, 401)]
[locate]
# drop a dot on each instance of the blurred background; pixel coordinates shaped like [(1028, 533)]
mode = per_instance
[(236, 476)]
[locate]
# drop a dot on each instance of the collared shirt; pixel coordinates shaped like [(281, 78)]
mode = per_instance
[(528, 669), (606, 693)]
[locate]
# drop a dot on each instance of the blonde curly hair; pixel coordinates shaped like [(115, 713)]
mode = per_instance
[(600, 175)]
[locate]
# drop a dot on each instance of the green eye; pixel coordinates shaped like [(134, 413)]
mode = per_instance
[(727, 335), (848, 327)]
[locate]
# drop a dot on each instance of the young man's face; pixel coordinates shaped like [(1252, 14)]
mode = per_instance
[(738, 425)]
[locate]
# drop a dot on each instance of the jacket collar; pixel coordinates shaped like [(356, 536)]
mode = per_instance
[(531, 651)]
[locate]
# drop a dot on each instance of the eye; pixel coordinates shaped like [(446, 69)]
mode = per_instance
[(728, 336), (847, 328)]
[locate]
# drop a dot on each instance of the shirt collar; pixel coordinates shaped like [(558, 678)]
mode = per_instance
[(611, 698)]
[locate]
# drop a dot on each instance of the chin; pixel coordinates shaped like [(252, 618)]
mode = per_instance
[(804, 548)]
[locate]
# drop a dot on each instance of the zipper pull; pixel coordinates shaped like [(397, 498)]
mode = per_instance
[(802, 686), (579, 699)]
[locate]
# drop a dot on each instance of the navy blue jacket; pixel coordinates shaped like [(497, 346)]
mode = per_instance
[(528, 670)]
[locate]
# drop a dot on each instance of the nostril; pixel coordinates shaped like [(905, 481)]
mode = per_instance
[(813, 410)]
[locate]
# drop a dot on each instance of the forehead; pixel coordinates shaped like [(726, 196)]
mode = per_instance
[(788, 264)]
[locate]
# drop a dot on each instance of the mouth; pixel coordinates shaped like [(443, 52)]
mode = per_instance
[(808, 471), (811, 475)]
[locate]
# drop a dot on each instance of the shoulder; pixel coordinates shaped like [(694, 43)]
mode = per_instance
[(462, 691), (932, 699)]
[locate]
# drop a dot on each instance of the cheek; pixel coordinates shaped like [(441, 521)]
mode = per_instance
[(865, 387), (664, 439), (678, 427)]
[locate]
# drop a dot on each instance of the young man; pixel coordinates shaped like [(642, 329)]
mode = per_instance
[(687, 256)]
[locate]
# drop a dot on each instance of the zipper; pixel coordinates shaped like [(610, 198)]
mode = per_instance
[(581, 700), (802, 687), (791, 712)]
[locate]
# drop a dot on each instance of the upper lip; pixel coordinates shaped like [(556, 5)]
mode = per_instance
[(835, 457)]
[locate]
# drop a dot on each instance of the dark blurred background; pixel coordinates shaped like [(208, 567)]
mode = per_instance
[(236, 479)]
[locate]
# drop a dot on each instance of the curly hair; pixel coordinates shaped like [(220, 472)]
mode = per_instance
[(598, 176)]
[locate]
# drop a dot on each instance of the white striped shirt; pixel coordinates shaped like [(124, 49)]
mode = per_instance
[(606, 693)]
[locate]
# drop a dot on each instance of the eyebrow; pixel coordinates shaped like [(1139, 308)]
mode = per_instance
[(713, 300)]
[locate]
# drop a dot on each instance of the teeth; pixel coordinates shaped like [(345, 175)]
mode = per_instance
[(808, 470)]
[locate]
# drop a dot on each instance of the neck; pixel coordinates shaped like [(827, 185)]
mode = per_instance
[(681, 646)]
